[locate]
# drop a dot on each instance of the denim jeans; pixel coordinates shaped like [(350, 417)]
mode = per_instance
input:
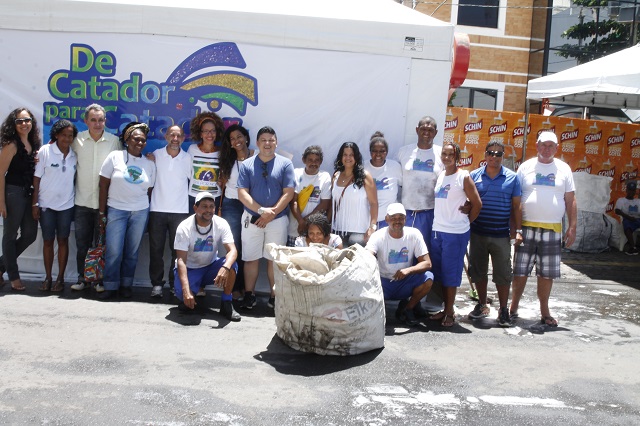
[(159, 224), (19, 217), (55, 222), (87, 228), (124, 235), (232, 210)]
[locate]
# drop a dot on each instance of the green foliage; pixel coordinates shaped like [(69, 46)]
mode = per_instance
[(594, 39)]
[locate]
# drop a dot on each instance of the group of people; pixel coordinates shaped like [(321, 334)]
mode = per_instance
[(417, 215)]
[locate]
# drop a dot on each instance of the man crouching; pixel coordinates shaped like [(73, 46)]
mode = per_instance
[(197, 261)]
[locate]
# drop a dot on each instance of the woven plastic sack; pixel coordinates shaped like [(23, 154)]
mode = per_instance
[(94, 261), (337, 312)]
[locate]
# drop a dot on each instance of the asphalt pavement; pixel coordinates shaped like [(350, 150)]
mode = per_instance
[(71, 359)]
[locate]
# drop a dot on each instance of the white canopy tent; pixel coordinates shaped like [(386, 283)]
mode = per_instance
[(612, 81)]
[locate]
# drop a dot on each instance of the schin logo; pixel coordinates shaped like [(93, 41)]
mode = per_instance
[(473, 127), (607, 173), (191, 84), (465, 162), (635, 142), (615, 139), (593, 137), (568, 136), (584, 169), (451, 124), (497, 128), (519, 131), (624, 176)]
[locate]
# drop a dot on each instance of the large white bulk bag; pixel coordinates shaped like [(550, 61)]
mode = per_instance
[(328, 301)]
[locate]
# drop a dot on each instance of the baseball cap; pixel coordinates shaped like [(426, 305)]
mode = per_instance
[(547, 137), (203, 196), (396, 208)]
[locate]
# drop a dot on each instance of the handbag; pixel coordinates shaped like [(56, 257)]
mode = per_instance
[(94, 262)]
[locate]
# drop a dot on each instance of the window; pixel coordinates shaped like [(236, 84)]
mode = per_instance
[(478, 13), (468, 97)]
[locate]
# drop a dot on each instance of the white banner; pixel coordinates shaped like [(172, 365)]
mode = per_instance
[(307, 96)]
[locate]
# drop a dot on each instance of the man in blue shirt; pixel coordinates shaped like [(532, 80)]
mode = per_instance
[(265, 188), (499, 221)]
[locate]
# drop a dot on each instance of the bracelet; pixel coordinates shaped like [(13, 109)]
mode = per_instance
[(226, 268), (519, 231), (101, 213)]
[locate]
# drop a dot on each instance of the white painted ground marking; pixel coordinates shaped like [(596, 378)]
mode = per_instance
[(607, 292)]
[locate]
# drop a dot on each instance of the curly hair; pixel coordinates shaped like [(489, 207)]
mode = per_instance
[(9, 134), (59, 126), (200, 119), (228, 154), (321, 221), (358, 169)]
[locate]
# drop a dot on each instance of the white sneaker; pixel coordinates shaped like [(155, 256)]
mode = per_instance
[(99, 288), (156, 291), (79, 286)]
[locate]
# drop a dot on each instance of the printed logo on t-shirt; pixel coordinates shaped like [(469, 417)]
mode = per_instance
[(205, 177), (401, 256), (203, 244), (443, 192), (633, 209), (55, 165), (548, 180), (423, 166), (383, 184), (134, 174), (315, 195)]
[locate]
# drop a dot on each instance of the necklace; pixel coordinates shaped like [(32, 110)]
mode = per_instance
[(198, 227)]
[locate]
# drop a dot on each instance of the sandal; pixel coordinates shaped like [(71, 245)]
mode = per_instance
[(19, 287), (448, 320), (549, 321), (46, 285), (437, 317), (58, 287)]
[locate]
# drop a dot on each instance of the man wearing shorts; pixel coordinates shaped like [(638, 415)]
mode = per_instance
[(396, 247), (197, 263), (548, 191), (265, 188), (421, 165), (499, 190), (629, 209)]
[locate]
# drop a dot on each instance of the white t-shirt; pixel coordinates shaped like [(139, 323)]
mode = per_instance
[(56, 175), (420, 169), (351, 208), (172, 182), (450, 196), (202, 250), (334, 241), (131, 177), (231, 190), (388, 179), (543, 189), (321, 183), (396, 253), (205, 170), (630, 207)]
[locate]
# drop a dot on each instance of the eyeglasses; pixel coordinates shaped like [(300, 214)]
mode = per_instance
[(264, 170), (494, 153), (23, 121), (208, 132)]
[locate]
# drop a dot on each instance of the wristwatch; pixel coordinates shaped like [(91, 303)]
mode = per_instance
[(519, 231), (262, 211), (373, 226), (36, 205)]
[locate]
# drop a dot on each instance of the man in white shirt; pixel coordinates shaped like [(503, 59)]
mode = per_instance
[(396, 247), (91, 147), (198, 264), (548, 191), (421, 165), (169, 204), (628, 208)]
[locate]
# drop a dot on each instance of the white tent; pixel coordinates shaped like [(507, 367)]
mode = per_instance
[(609, 82)]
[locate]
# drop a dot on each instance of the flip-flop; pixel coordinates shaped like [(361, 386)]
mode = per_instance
[(446, 322), (549, 321), (18, 289), (437, 317), (58, 287)]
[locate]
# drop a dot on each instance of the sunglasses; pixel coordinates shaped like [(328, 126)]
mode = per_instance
[(23, 120), (494, 153)]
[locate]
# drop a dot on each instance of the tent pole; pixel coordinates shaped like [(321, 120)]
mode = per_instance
[(526, 128)]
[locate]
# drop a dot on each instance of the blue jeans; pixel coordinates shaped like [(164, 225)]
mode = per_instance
[(55, 222), (19, 217), (87, 229), (124, 235), (232, 210)]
